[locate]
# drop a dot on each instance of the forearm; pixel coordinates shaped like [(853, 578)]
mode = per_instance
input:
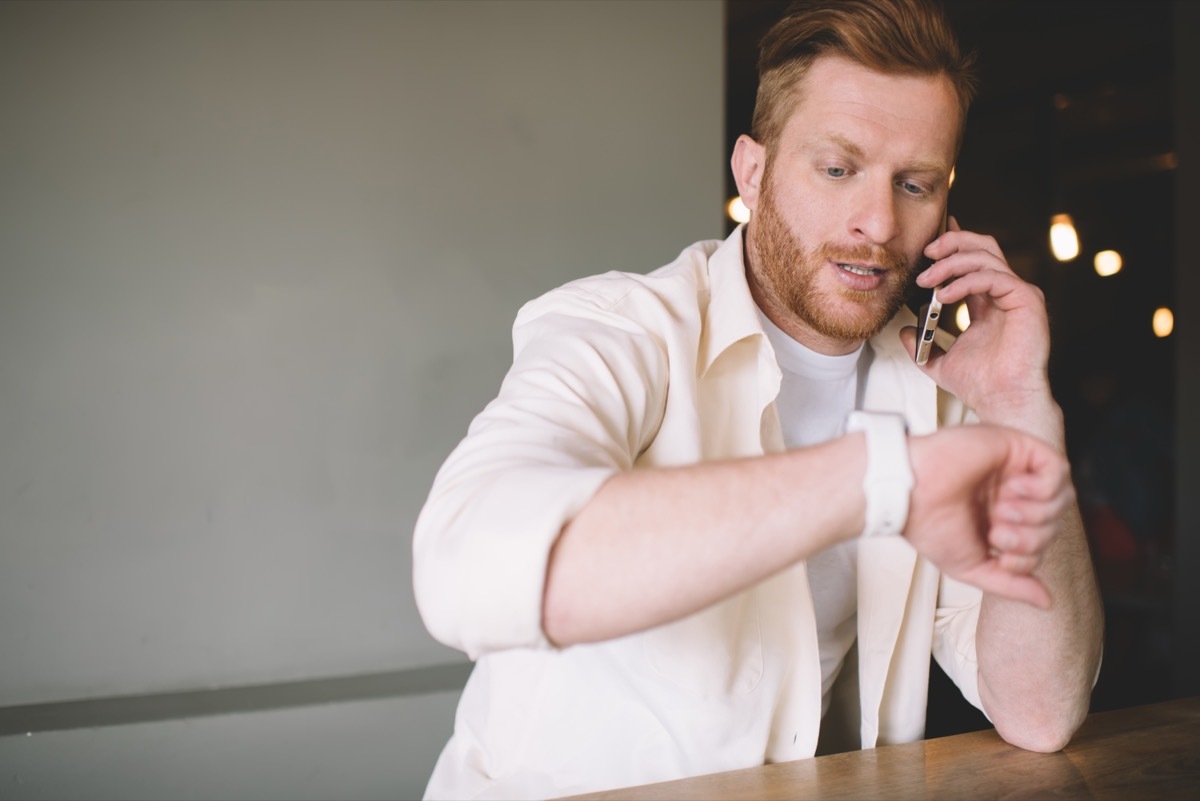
[(655, 545), (1037, 667)]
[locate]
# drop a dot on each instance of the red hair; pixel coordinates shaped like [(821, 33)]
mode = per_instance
[(903, 37)]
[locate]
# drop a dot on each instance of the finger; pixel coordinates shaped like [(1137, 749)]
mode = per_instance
[(991, 578), (949, 261), (1004, 289), (1020, 539), (1026, 526), (1022, 543), (1019, 563), (956, 240), (956, 265), (1042, 483), (1030, 512), (908, 338)]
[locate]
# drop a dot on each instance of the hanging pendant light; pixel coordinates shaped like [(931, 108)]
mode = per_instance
[(1064, 242)]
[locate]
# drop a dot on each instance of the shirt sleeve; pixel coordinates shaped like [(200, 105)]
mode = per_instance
[(954, 627), (583, 397)]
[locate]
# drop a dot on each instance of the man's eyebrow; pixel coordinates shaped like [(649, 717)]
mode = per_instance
[(929, 166), (837, 140)]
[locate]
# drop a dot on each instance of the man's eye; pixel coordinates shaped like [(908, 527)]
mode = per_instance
[(836, 172), (911, 188)]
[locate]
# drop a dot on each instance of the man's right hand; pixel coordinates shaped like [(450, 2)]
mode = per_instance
[(986, 505)]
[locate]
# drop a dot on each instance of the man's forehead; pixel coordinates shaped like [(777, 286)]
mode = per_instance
[(843, 105), (836, 84)]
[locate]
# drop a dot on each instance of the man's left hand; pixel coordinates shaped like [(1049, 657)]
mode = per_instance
[(998, 366)]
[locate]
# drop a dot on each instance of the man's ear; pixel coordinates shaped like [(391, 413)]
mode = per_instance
[(749, 164)]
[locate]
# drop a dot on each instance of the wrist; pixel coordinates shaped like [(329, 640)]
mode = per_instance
[(1034, 413)]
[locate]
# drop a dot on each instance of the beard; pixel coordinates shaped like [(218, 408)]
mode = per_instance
[(789, 273)]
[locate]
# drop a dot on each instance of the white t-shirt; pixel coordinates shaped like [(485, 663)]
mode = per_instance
[(816, 394)]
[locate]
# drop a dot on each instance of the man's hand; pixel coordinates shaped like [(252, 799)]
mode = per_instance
[(998, 366), (1021, 537), (986, 505)]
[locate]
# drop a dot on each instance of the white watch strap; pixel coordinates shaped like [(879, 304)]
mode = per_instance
[(888, 481)]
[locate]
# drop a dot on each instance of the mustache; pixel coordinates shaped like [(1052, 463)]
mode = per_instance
[(863, 254)]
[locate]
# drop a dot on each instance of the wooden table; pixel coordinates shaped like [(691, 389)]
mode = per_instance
[(1142, 754)]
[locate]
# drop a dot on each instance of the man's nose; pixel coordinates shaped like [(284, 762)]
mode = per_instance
[(874, 217)]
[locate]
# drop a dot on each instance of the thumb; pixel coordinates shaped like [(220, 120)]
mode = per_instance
[(908, 337)]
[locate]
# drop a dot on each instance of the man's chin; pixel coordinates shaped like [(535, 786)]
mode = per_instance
[(850, 320)]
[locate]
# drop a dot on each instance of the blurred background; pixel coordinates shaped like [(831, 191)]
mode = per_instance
[(258, 265)]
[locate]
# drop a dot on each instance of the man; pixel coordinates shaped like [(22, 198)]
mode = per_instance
[(675, 544)]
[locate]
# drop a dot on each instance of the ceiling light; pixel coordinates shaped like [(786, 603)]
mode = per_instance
[(1164, 322), (1107, 262), (737, 210), (1064, 242)]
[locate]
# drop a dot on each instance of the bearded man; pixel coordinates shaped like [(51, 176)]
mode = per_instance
[(717, 517)]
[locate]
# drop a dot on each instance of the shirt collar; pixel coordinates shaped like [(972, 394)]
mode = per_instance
[(731, 315)]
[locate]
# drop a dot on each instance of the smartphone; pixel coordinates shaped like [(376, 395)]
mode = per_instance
[(930, 314)]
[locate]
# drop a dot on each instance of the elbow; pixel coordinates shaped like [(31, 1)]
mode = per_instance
[(434, 610), (560, 623), (1046, 741), (555, 630), (1043, 734)]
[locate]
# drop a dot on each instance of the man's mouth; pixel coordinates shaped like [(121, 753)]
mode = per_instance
[(857, 270)]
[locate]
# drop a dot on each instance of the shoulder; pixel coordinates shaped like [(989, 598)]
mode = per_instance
[(671, 294)]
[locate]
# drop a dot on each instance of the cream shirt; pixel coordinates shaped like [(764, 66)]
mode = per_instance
[(816, 393), (620, 371)]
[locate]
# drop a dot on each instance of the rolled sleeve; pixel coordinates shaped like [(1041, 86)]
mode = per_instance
[(584, 396), (954, 628)]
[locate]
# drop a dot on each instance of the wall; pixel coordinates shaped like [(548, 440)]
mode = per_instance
[(258, 262)]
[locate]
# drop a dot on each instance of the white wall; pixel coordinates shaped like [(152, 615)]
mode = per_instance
[(258, 263)]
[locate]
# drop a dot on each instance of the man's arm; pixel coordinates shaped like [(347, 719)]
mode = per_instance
[(655, 545), (1036, 666)]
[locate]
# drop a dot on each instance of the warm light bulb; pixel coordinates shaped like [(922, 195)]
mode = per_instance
[(1164, 322), (737, 210), (952, 172), (962, 317), (1108, 262), (1064, 242)]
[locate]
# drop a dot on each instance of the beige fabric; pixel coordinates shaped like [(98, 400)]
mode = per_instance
[(625, 370)]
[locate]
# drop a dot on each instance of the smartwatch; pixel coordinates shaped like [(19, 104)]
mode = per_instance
[(888, 482)]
